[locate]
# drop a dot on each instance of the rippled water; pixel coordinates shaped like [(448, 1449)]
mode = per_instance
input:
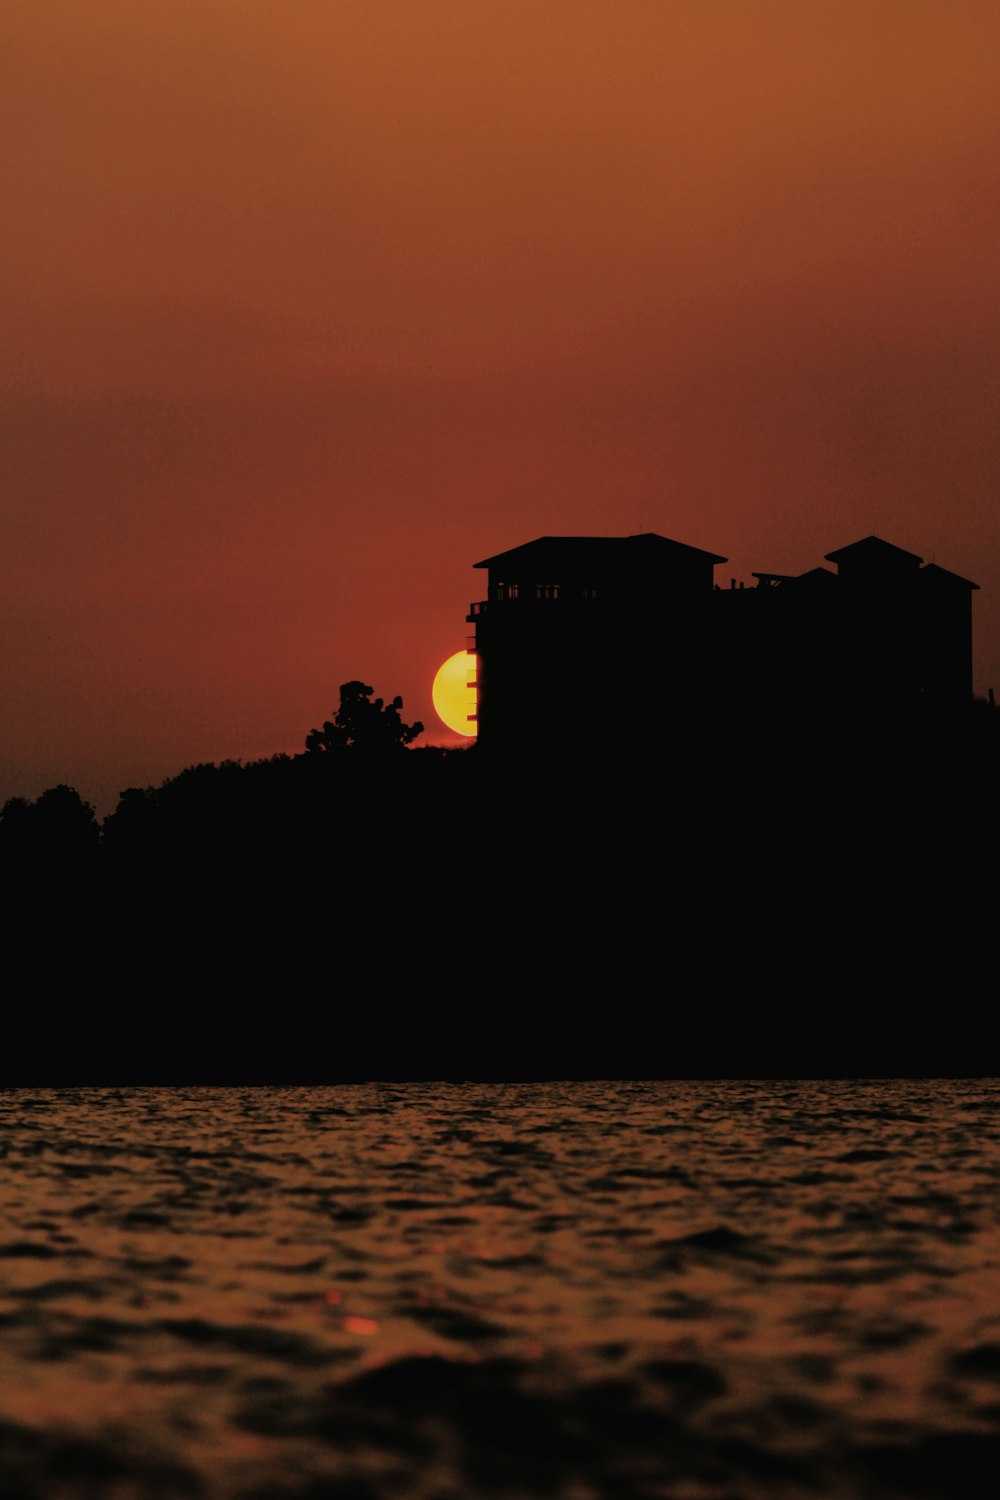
[(689, 1290)]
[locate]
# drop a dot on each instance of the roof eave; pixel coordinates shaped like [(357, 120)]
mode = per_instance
[(865, 541)]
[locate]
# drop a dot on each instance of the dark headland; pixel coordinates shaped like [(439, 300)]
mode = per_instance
[(794, 877), (718, 912)]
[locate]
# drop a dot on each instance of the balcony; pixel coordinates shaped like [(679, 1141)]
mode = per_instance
[(516, 597)]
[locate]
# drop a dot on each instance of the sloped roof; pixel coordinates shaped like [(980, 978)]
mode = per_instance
[(945, 576), (814, 578), (595, 551), (872, 549)]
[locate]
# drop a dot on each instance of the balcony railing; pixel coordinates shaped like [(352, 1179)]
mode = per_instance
[(544, 596)]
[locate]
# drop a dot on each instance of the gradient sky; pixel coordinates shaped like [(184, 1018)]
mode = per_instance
[(310, 305)]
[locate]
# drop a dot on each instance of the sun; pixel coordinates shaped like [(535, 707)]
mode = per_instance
[(454, 694)]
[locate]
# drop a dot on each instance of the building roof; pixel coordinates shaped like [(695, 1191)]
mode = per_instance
[(595, 551), (873, 551), (814, 578), (946, 577)]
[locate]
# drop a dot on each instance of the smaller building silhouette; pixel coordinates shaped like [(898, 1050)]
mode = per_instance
[(630, 637)]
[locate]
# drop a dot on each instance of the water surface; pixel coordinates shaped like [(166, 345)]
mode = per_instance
[(686, 1290)]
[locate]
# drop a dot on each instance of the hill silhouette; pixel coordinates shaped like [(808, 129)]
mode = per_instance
[(724, 906)]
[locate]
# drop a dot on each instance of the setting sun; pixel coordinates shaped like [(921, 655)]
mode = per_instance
[(454, 693)]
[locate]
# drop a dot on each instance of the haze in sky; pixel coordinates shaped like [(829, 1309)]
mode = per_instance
[(310, 306)]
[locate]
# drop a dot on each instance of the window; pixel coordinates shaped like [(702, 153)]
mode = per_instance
[(546, 591)]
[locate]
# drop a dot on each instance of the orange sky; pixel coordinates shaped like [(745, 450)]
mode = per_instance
[(308, 306)]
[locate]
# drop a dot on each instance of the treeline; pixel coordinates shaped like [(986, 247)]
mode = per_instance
[(319, 808), (730, 907), (363, 802)]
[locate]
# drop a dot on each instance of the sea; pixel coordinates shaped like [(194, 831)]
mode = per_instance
[(695, 1290)]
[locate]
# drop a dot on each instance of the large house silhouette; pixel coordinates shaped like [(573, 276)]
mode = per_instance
[(631, 638)]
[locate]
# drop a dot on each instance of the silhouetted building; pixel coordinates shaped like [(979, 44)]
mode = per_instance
[(628, 640), (579, 636)]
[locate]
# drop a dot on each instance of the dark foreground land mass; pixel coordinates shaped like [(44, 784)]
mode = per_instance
[(780, 906)]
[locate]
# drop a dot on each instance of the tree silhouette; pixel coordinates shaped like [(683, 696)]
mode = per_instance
[(364, 724), (59, 827)]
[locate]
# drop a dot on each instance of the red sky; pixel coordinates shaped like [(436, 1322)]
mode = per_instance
[(308, 306)]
